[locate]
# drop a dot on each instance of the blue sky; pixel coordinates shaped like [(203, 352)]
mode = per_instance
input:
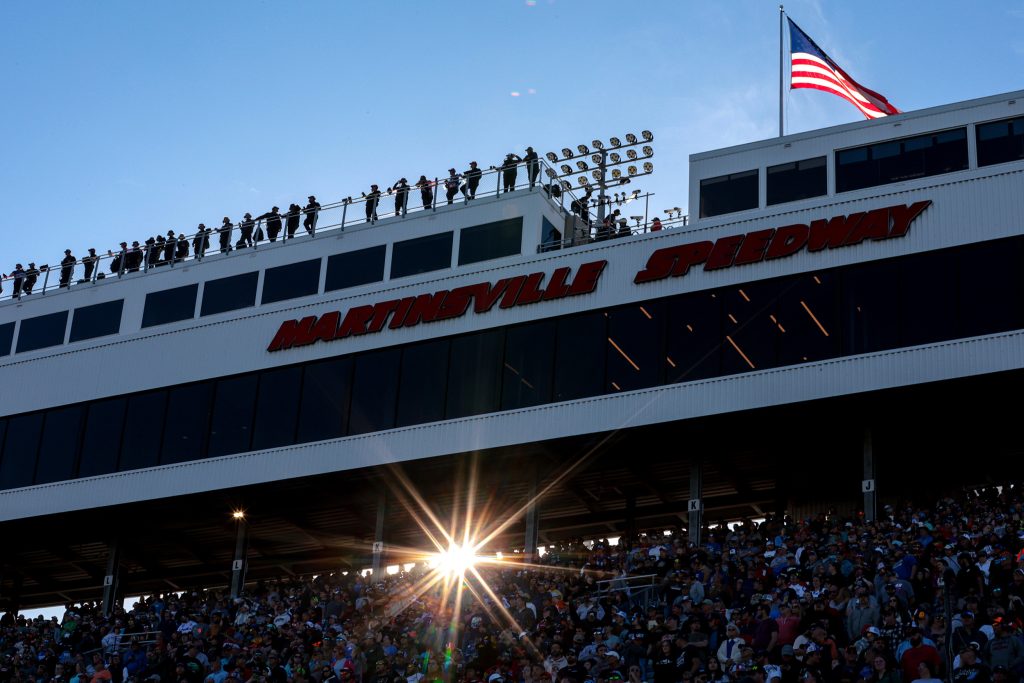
[(125, 119)]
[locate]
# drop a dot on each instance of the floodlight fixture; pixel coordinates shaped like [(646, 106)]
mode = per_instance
[(597, 144), (238, 515), (631, 170), (566, 168), (550, 174), (566, 185), (630, 139), (647, 150), (583, 149), (596, 158), (567, 153), (615, 142), (583, 180), (647, 135), (648, 167), (615, 157), (616, 173), (552, 157), (631, 154), (582, 165), (596, 175)]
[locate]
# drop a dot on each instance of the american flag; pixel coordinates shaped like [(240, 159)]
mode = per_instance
[(812, 68)]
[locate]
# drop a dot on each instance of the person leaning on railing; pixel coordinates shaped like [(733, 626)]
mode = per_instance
[(67, 268), (472, 176), (273, 219)]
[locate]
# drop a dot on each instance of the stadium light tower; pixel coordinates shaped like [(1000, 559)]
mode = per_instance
[(607, 158)]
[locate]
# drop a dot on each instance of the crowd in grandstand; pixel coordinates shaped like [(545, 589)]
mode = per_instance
[(919, 595)]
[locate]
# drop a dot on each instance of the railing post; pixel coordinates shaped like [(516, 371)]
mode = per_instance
[(344, 214), (46, 279), (647, 207)]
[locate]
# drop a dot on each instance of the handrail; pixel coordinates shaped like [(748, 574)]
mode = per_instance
[(586, 232), (195, 247)]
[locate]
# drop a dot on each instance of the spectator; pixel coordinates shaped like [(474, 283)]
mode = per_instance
[(472, 177), (451, 184), (312, 211), (67, 268), (31, 275), (90, 262), (426, 191)]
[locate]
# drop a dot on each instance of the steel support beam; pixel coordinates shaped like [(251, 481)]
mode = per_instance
[(112, 579), (868, 482), (241, 557)]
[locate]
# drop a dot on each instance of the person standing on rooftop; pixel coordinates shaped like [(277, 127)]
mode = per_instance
[(312, 212), (67, 268)]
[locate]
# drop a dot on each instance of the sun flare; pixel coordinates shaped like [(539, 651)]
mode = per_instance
[(455, 561)]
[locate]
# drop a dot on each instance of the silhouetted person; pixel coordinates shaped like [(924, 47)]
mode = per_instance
[(426, 191), (31, 275), (273, 219), (472, 176), (19, 279), (245, 226), (509, 171), (181, 249), (170, 244), (451, 184), (153, 252), (120, 262), (312, 211), (90, 263), (401, 190), (201, 241), (532, 166), (371, 203), (133, 259), (225, 235), (67, 268), (292, 219)]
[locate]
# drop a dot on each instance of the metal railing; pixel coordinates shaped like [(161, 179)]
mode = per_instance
[(582, 229), (296, 223), (642, 590)]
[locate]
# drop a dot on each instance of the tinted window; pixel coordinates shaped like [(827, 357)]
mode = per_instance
[(421, 255), (1000, 141), (231, 425), (170, 305), (694, 337), (188, 420), (635, 347), (580, 356), (490, 241), (529, 365), (42, 331), (421, 390), (552, 236), (326, 389), (374, 388), (143, 431), (58, 453), (229, 293), (905, 159), (97, 320), (355, 268), (291, 281), (749, 335), (990, 288), (870, 307), (102, 439), (474, 376), (928, 301), (796, 180), (6, 338), (809, 310), (277, 408), (20, 447), (728, 193)]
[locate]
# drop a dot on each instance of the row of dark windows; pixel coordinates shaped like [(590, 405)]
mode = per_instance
[(409, 257), (900, 302), (879, 163), (43, 331)]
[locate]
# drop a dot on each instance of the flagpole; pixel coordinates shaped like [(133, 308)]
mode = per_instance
[(781, 13)]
